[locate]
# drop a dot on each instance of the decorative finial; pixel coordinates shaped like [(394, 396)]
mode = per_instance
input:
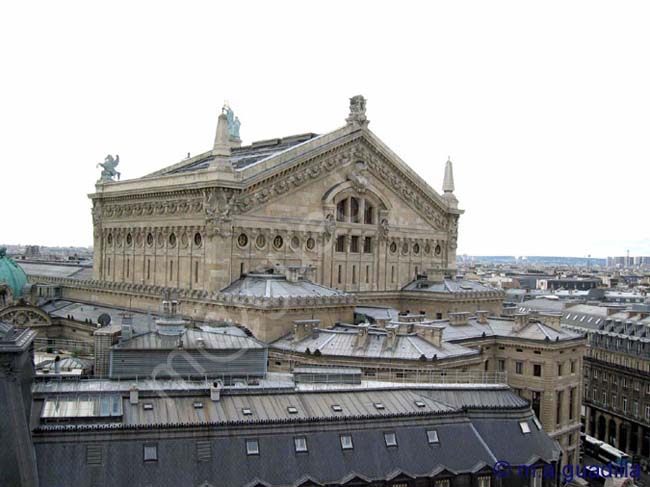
[(108, 168), (357, 112), (448, 185)]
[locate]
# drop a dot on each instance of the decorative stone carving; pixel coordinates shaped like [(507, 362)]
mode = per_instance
[(357, 111), (358, 177), (218, 206), (330, 226), (384, 228)]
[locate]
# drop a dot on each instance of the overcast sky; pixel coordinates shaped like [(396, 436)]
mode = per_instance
[(544, 107)]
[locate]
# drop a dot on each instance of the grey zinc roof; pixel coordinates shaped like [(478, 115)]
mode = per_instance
[(191, 339), (241, 157), (378, 313), (275, 286), (448, 286), (504, 327), (55, 270), (341, 341)]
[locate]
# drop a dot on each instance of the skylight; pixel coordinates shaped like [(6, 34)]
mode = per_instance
[(346, 442), (292, 410), (379, 405), (300, 444), (336, 408), (390, 439), (420, 404), (432, 437), (147, 406), (246, 412), (525, 429), (252, 447)]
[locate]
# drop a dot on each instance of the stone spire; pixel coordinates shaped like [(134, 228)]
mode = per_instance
[(357, 116), (222, 144), (448, 185)]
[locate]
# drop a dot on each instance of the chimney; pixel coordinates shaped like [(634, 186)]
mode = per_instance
[(508, 309), (127, 326), (362, 335), (482, 317), (215, 392), (436, 276), (458, 318), (133, 394), (430, 333), (521, 320), (292, 273), (305, 328), (382, 322), (391, 337), (550, 319)]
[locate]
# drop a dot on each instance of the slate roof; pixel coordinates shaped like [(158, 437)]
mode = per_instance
[(472, 420)]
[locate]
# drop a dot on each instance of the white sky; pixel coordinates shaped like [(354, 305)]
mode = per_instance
[(544, 107)]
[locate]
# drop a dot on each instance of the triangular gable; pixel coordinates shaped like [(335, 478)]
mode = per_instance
[(270, 178)]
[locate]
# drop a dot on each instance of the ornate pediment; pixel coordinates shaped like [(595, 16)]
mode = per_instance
[(363, 160)]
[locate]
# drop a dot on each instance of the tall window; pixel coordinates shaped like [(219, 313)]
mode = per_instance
[(572, 399), (341, 210), (558, 406), (196, 271), (537, 370), (339, 274), (367, 245), (354, 274), (171, 270), (367, 274), (128, 267), (354, 210), (340, 243), (368, 214), (354, 244), (148, 269)]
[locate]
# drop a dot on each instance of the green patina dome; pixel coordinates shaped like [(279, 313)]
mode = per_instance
[(11, 274)]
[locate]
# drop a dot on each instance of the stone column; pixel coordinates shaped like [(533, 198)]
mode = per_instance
[(606, 427), (617, 443), (639, 439), (628, 437)]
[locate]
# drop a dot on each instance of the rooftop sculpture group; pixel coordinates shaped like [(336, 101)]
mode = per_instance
[(108, 168)]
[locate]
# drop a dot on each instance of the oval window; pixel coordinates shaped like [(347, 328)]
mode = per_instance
[(198, 240), (242, 240), (277, 242)]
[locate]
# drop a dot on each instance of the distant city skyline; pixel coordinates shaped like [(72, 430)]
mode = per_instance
[(547, 132)]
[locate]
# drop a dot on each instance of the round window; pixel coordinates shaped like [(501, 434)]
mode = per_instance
[(129, 239), (149, 239), (242, 240), (311, 243), (172, 239), (260, 241), (109, 239), (277, 242), (393, 247), (416, 249), (198, 240), (438, 250)]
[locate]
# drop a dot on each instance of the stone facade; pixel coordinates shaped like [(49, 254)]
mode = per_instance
[(342, 203)]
